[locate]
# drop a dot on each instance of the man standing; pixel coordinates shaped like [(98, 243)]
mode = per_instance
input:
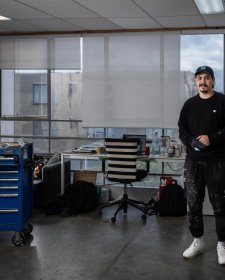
[(202, 131)]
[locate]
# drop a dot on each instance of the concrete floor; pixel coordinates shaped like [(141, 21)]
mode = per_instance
[(89, 247)]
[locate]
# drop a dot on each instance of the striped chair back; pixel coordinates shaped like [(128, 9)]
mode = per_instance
[(121, 156)]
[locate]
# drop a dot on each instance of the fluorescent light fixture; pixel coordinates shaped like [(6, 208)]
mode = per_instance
[(210, 6), (4, 18)]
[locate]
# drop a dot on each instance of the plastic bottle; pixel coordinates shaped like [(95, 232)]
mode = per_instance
[(155, 144)]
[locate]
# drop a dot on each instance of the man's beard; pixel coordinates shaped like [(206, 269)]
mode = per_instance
[(204, 90)]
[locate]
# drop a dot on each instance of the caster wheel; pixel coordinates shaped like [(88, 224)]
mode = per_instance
[(18, 239), (113, 219), (28, 229), (144, 217)]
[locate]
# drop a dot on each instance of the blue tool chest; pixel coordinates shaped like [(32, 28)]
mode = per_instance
[(16, 190)]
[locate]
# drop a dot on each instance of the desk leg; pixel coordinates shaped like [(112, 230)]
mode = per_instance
[(62, 175), (103, 171), (103, 166), (148, 166)]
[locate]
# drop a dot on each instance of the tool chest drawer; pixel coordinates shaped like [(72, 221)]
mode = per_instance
[(9, 189), (8, 161), (8, 175), (9, 201), (9, 217)]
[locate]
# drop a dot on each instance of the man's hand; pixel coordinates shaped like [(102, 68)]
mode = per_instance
[(204, 139), (197, 145)]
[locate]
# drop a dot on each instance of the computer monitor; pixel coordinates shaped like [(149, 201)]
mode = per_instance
[(141, 141)]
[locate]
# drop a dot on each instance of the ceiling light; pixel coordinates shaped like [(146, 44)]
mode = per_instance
[(210, 6), (4, 18)]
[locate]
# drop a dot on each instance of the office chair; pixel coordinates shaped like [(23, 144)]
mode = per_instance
[(122, 157)]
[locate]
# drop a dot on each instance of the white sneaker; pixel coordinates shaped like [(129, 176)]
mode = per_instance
[(221, 252), (196, 248)]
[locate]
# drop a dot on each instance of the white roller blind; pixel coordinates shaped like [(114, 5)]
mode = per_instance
[(66, 53), (44, 52), (131, 80)]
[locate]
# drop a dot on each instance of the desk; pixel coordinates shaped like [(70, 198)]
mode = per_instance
[(169, 161), (84, 157)]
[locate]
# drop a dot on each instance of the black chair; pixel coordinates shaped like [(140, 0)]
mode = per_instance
[(122, 157)]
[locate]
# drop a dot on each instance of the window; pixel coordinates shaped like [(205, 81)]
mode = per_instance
[(66, 93), (199, 49), (40, 94), (20, 90), (40, 128), (55, 123), (139, 89)]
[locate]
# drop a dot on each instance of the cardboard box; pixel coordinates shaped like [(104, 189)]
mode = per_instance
[(85, 175)]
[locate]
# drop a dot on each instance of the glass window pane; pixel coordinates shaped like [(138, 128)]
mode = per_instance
[(40, 128), (196, 50), (24, 128), (66, 95), (18, 90), (118, 132), (40, 145), (96, 132), (62, 145), (40, 94), (68, 129)]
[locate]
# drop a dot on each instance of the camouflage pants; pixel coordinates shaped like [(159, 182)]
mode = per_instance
[(198, 175)]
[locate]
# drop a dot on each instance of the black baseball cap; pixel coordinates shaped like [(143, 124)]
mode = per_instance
[(204, 69)]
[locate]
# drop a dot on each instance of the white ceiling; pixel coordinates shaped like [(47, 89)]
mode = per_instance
[(37, 16)]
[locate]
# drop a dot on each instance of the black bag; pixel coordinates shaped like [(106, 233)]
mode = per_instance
[(82, 197), (55, 206), (172, 201)]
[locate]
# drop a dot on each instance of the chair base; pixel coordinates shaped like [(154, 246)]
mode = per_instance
[(123, 205)]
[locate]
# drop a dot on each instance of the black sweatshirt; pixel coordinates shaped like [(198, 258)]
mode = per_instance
[(204, 117)]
